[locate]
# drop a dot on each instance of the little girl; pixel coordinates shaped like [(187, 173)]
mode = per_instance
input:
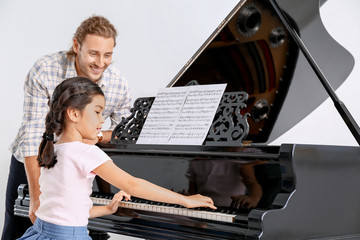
[(68, 167)]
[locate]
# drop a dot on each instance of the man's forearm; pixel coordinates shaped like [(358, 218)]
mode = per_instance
[(33, 173)]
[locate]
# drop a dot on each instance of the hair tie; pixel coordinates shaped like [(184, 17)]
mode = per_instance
[(48, 137)]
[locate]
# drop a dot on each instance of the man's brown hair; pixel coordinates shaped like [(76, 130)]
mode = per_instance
[(96, 25)]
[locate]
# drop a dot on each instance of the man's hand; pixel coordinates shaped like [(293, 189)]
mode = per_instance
[(34, 205)]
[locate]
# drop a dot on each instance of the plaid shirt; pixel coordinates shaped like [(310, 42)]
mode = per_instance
[(40, 83)]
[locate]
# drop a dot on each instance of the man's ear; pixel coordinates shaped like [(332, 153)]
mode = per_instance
[(73, 114), (76, 46)]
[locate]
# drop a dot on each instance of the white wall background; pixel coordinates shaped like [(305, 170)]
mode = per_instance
[(156, 38)]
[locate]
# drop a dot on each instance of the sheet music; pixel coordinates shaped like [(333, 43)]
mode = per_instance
[(181, 115)]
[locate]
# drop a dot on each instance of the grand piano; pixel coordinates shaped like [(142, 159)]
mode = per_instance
[(300, 191)]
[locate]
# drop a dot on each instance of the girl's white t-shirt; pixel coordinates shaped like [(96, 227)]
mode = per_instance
[(66, 188)]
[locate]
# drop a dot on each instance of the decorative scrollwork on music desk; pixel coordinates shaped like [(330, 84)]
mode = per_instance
[(128, 130), (229, 126)]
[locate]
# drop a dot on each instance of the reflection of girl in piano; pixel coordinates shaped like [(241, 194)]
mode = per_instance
[(70, 165), (228, 183)]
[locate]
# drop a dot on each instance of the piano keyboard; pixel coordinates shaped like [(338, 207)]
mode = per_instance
[(138, 204)]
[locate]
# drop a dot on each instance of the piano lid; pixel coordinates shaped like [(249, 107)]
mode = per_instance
[(252, 51)]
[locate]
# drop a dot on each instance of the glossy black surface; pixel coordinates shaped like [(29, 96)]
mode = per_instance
[(317, 197), (218, 172)]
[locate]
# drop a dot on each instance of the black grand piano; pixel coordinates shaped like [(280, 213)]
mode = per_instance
[(299, 191)]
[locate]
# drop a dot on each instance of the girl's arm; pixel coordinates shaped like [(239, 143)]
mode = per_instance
[(98, 211), (253, 187), (143, 189)]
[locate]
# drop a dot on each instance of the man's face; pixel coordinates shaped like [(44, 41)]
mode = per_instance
[(93, 56)]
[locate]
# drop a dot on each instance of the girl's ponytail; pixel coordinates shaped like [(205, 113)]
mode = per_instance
[(46, 157)]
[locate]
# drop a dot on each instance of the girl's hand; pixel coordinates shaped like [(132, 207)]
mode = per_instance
[(113, 206), (198, 201)]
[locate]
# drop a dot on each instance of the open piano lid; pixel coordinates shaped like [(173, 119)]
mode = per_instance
[(252, 51)]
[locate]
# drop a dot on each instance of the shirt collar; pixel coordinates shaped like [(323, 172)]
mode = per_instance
[(102, 82)]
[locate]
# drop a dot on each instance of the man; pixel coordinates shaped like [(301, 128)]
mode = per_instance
[(90, 56)]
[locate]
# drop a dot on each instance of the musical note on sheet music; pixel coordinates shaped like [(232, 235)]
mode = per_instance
[(181, 115)]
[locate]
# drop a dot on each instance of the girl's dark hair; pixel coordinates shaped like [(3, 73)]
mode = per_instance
[(74, 92)]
